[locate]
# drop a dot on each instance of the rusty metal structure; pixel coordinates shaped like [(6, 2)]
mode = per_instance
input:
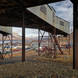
[(14, 13)]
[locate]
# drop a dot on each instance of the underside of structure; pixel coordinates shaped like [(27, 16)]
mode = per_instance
[(14, 18), (24, 3), (14, 14)]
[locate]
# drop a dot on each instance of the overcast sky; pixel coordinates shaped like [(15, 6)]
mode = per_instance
[(64, 9)]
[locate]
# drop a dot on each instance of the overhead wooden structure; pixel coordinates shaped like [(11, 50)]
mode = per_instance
[(14, 13), (13, 17), (24, 3), (74, 1)]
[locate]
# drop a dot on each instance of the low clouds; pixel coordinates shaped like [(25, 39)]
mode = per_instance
[(64, 9)]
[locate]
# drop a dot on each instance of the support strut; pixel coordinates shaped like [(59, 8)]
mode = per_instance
[(23, 40), (11, 46), (40, 38), (75, 36)]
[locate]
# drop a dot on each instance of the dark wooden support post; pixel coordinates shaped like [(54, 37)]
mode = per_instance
[(23, 40), (2, 46), (51, 43), (75, 36), (54, 44), (2, 43), (11, 46), (54, 50), (39, 42), (48, 40), (69, 43)]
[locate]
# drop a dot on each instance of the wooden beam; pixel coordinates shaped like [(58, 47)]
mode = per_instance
[(54, 44), (11, 45), (26, 3), (23, 40), (2, 46), (75, 37), (39, 42)]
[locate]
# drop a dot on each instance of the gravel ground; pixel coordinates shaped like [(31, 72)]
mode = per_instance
[(38, 70), (37, 67)]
